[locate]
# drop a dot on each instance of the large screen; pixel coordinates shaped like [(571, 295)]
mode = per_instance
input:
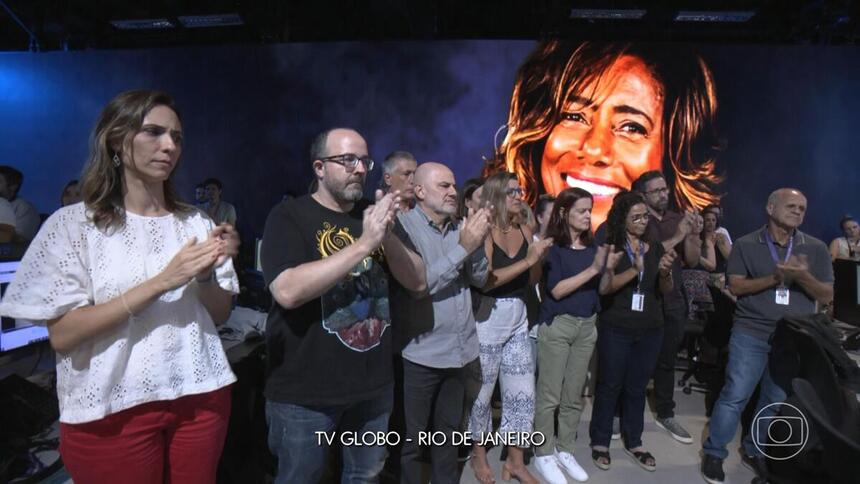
[(724, 122)]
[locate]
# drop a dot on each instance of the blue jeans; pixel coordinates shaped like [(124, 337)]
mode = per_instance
[(625, 362), (748, 364), (302, 453)]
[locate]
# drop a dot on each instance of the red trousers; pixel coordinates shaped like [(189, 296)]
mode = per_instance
[(173, 441)]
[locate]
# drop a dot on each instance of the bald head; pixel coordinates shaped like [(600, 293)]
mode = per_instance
[(786, 208), (436, 191), (428, 172), (780, 193)]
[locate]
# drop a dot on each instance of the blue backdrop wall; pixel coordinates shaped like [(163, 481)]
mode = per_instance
[(249, 112)]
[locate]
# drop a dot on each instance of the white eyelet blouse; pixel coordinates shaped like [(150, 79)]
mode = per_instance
[(168, 350)]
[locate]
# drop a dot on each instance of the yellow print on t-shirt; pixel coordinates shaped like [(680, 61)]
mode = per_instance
[(331, 239), (356, 308)]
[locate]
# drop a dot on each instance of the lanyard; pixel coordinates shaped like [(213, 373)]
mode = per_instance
[(772, 247), (629, 251)]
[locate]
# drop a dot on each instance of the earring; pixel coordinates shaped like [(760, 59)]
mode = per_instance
[(116, 161)]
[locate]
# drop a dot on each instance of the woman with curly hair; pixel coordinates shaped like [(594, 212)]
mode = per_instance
[(131, 284), (630, 334), (597, 115)]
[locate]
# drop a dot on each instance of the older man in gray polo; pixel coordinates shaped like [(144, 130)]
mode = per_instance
[(776, 271), (438, 325)]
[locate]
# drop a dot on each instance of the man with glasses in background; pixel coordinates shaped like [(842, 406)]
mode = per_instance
[(679, 232), (326, 260)]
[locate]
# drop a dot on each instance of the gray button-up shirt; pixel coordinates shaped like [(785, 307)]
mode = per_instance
[(438, 323)]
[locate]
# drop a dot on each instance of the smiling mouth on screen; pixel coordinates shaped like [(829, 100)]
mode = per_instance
[(597, 188)]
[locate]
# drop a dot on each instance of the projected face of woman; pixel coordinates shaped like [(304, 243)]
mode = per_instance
[(608, 135)]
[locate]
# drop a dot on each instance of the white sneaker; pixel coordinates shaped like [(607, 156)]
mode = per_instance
[(547, 467), (616, 428), (567, 461)]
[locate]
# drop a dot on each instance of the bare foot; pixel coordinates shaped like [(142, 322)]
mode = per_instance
[(521, 473), (481, 467)]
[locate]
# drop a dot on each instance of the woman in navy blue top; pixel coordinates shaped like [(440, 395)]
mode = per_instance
[(567, 332)]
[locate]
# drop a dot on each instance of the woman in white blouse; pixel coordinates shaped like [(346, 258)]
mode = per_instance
[(131, 284)]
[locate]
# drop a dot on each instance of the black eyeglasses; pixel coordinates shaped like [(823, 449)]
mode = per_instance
[(350, 161), (514, 192)]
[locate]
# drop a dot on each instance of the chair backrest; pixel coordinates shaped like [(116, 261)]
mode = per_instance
[(841, 452)]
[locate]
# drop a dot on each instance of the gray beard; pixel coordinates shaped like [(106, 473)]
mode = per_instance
[(344, 194)]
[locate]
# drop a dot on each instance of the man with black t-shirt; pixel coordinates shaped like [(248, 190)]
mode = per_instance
[(677, 232), (326, 259)]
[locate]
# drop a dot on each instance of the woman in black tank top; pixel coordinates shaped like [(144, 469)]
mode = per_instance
[(503, 332)]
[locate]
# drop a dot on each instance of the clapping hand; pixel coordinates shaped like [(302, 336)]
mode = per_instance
[(474, 229), (599, 262), (613, 258), (691, 223), (378, 219), (795, 268), (665, 266), (227, 234), (537, 250), (192, 260)]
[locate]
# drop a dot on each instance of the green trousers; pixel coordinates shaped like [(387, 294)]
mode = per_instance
[(564, 351)]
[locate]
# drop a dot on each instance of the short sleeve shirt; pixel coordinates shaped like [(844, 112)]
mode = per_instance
[(617, 307), (757, 314), (168, 350), (334, 349)]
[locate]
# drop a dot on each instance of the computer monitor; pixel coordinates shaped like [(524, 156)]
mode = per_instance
[(846, 291), (16, 333)]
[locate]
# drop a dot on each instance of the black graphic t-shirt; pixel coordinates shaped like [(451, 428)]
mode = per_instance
[(335, 349)]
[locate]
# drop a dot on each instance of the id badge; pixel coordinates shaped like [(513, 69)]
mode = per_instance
[(638, 303), (782, 294)]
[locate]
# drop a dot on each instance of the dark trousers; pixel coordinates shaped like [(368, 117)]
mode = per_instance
[(664, 375), (626, 360), (431, 395)]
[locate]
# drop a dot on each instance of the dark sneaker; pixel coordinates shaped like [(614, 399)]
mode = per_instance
[(675, 430), (755, 463), (712, 469)]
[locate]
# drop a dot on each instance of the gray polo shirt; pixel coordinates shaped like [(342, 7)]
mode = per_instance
[(439, 325), (757, 314)]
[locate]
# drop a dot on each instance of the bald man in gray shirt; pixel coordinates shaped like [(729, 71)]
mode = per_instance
[(439, 328), (776, 271)]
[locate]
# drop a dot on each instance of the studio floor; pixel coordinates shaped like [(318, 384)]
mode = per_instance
[(677, 463)]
